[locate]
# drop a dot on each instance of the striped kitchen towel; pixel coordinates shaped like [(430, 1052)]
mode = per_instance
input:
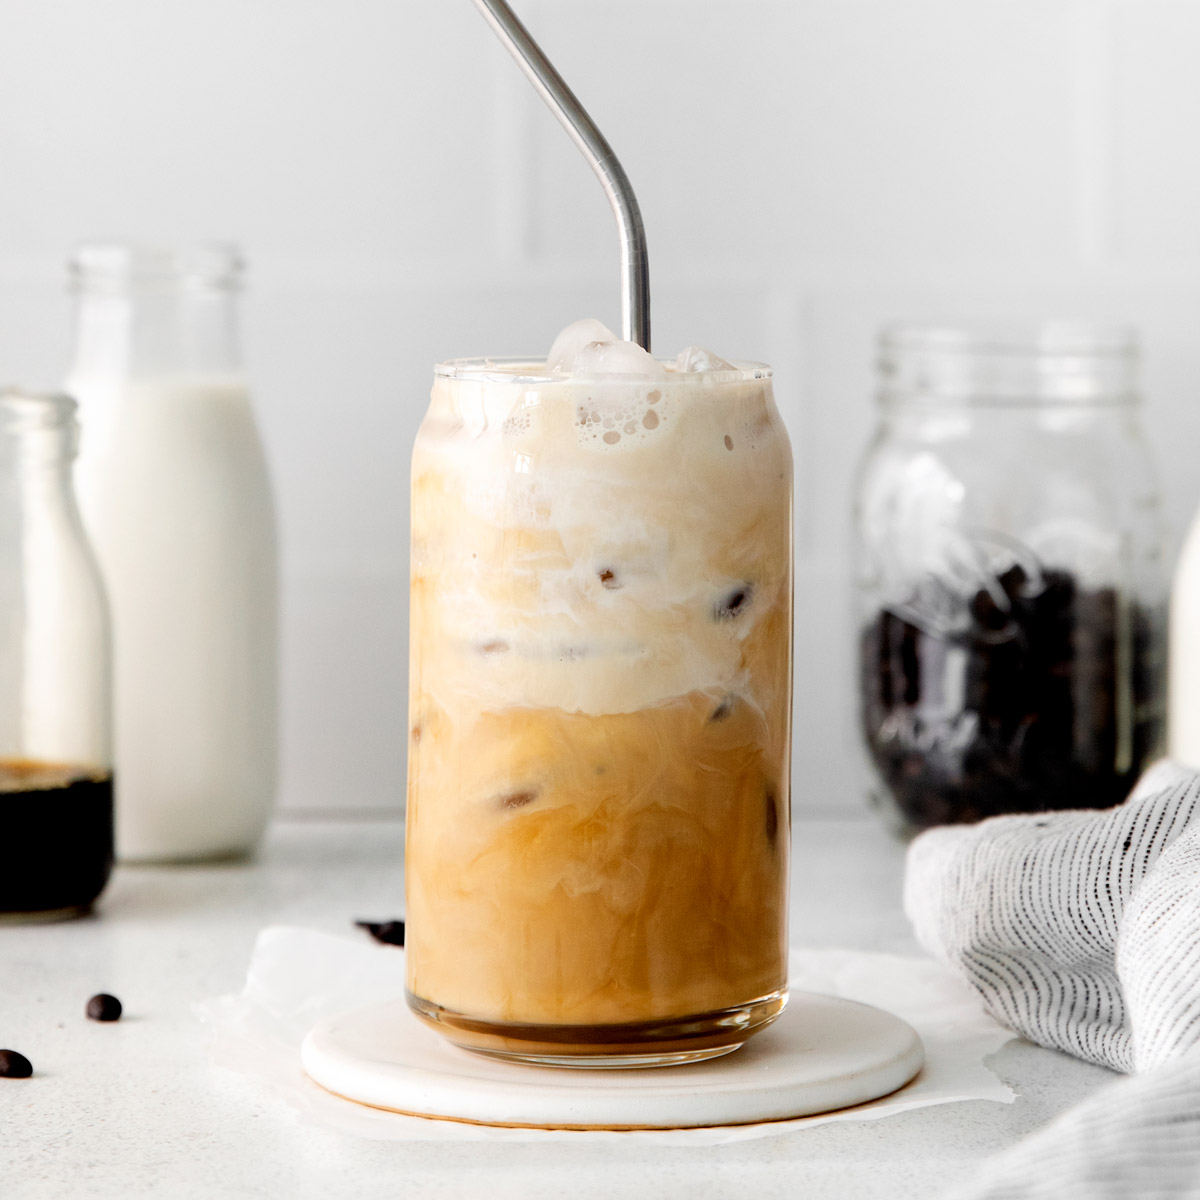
[(1081, 931)]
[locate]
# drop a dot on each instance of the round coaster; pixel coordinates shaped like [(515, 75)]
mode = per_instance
[(823, 1053)]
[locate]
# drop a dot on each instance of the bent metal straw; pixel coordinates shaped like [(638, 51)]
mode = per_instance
[(550, 85)]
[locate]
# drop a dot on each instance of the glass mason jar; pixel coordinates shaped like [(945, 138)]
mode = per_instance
[(1011, 585), (55, 676), (1183, 704), (600, 690), (175, 494)]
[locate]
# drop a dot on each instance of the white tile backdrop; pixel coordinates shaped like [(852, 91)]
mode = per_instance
[(807, 168)]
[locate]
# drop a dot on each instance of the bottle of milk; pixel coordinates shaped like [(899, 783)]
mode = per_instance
[(175, 494)]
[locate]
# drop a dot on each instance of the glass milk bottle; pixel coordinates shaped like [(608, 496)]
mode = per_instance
[(600, 691), (1010, 575), (175, 494), (56, 783)]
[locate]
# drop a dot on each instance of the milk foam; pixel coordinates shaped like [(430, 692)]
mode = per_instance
[(530, 488)]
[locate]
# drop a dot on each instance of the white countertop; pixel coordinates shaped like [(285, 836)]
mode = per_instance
[(136, 1108)]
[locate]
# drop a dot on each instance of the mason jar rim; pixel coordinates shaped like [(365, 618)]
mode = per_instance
[(1009, 361), (1054, 337), (117, 266), (529, 370)]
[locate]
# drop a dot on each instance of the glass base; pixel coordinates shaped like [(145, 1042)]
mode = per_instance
[(669, 1042), (44, 916), (231, 856)]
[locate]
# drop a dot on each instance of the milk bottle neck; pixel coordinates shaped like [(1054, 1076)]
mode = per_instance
[(143, 313), (38, 441)]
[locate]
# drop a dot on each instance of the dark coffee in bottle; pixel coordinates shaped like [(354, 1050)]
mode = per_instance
[(57, 828)]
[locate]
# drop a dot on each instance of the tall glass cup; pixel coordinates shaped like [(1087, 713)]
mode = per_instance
[(598, 799)]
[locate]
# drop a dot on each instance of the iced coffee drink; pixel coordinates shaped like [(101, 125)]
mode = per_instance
[(600, 705)]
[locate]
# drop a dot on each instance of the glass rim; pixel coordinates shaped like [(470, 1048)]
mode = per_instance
[(1008, 362), (116, 265), (531, 370), (1055, 337)]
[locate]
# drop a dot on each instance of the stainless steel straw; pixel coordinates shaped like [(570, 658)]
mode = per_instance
[(635, 266)]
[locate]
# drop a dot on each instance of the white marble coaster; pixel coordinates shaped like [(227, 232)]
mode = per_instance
[(823, 1053)]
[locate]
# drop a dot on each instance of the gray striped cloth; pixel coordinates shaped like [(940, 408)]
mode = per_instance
[(1081, 931)]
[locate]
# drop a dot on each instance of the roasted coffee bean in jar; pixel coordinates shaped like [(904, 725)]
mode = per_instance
[(1010, 576)]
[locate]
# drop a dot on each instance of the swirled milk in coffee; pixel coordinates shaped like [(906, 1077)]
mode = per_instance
[(600, 704)]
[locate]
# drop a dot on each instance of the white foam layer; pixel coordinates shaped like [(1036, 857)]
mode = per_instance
[(578, 535)]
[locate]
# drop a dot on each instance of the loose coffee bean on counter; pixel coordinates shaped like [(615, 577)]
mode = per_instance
[(103, 1007), (14, 1065), (390, 933), (1023, 710)]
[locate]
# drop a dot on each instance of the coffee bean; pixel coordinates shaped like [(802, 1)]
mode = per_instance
[(103, 1007), (986, 613), (517, 799), (771, 815), (14, 1065), (1013, 580), (734, 603), (390, 933)]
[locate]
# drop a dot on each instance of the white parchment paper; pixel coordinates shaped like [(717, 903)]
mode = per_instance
[(297, 977)]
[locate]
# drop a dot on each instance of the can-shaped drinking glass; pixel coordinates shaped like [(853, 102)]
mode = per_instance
[(600, 706)]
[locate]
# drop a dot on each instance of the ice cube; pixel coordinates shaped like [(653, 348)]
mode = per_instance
[(567, 345), (616, 358), (696, 358), (590, 348)]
